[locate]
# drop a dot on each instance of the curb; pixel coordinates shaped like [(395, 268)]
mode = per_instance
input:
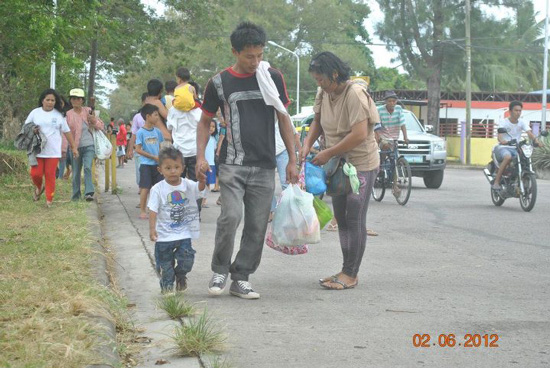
[(464, 167), (107, 349)]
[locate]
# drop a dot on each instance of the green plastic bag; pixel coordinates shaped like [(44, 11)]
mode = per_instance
[(324, 214)]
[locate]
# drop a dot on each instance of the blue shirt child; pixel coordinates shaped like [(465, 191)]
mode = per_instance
[(150, 142)]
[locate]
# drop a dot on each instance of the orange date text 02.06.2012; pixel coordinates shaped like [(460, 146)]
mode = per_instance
[(451, 341)]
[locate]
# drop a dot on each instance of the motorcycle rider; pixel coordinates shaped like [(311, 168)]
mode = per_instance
[(514, 127)]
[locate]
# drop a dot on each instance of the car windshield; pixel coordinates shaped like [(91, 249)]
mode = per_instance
[(412, 123)]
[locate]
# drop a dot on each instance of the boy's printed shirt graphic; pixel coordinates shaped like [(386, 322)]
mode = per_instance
[(181, 213), (151, 140), (176, 209)]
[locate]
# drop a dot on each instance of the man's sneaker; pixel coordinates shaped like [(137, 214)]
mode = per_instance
[(243, 289), (181, 283), (217, 284), (89, 197)]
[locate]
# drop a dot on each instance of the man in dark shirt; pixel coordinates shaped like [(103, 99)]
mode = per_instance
[(247, 158)]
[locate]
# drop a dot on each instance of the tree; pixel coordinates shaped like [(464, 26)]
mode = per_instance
[(31, 33), (415, 28), (201, 38), (506, 53)]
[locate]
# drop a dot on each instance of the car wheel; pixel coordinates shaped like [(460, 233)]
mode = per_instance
[(433, 179)]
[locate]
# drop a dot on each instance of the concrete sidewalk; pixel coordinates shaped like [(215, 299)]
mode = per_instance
[(135, 273)]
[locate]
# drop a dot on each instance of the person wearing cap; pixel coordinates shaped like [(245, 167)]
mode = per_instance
[(82, 122), (392, 119)]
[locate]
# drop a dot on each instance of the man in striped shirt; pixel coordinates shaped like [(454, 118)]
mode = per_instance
[(392, 119)]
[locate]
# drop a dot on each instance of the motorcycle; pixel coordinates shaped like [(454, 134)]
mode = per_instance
[(519, 179)]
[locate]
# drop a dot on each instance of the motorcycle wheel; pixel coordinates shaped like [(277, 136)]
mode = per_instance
[(496, 198), (379, 187), (528, 199)]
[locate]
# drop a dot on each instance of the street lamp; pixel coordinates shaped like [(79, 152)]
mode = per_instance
[(297, 73)]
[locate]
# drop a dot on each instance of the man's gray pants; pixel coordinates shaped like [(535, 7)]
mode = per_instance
[(253, 187)]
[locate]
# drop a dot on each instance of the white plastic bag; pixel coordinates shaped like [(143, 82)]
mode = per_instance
[(295, 221), (103, 147)]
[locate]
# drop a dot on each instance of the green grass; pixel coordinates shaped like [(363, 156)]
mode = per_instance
[(198, 336), (175, 306), (47, 292)]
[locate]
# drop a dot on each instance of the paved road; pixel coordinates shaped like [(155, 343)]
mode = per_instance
[(449, 262)]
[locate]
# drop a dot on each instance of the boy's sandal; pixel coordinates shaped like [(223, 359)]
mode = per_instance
[(332, 227)]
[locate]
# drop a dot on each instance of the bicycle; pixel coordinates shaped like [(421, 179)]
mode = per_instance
[(395, 173)]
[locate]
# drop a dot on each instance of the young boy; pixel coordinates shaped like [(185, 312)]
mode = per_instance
[(185, 94), (174, 220), (147, 146), (121, 140), (169, 86)]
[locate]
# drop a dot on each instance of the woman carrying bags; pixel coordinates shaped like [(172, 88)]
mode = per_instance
[(50, 122), (82, 122), (345, 114)]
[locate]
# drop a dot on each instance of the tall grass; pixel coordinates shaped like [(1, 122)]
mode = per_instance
[(47, 292)]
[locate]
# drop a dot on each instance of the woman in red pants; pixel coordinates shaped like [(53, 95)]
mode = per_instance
[(50, 121)]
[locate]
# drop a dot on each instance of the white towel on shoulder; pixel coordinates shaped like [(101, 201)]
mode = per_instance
[(268, 88)]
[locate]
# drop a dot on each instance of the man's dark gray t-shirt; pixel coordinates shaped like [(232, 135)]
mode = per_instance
[(250, 138)]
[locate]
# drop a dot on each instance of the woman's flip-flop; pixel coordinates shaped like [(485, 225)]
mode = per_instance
[(336, 281), (327, 279), (36, 195)]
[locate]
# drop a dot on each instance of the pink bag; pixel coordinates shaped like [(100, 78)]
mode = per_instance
[(290, 250)]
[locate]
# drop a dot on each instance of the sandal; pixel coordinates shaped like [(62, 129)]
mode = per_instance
[(332, 227), (215, 190), (338, 282), (330, 278), (371, 232), (143, 216), (36, 195)]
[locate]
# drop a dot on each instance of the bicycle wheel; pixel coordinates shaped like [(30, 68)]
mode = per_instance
[(379, 188), (402, 183)]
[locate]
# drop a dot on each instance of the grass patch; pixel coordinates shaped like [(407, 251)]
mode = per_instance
[(175, 306), (198, 336), (47, 291)]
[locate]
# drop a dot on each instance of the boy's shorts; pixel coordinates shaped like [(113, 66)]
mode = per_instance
[(120, 151), (149, 176), (503, 151)]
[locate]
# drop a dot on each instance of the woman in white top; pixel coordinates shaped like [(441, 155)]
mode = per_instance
[(49, 120)]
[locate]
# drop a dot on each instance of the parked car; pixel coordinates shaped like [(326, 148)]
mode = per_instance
[(426, 153)]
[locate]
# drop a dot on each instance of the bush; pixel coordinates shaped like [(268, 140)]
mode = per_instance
[(541, 155)]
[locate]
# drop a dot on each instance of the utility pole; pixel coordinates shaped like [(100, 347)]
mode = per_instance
[(468, 86), (545, 71), (52, 67)]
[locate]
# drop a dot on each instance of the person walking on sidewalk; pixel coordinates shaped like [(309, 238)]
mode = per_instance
[(247, 157), (121, 142), (174, 220), (82, 122), (346, 115), (49, 120), (148, 143)]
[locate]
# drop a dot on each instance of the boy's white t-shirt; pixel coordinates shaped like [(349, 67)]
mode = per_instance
[(52, 124), (177, 210), (514, 130)]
